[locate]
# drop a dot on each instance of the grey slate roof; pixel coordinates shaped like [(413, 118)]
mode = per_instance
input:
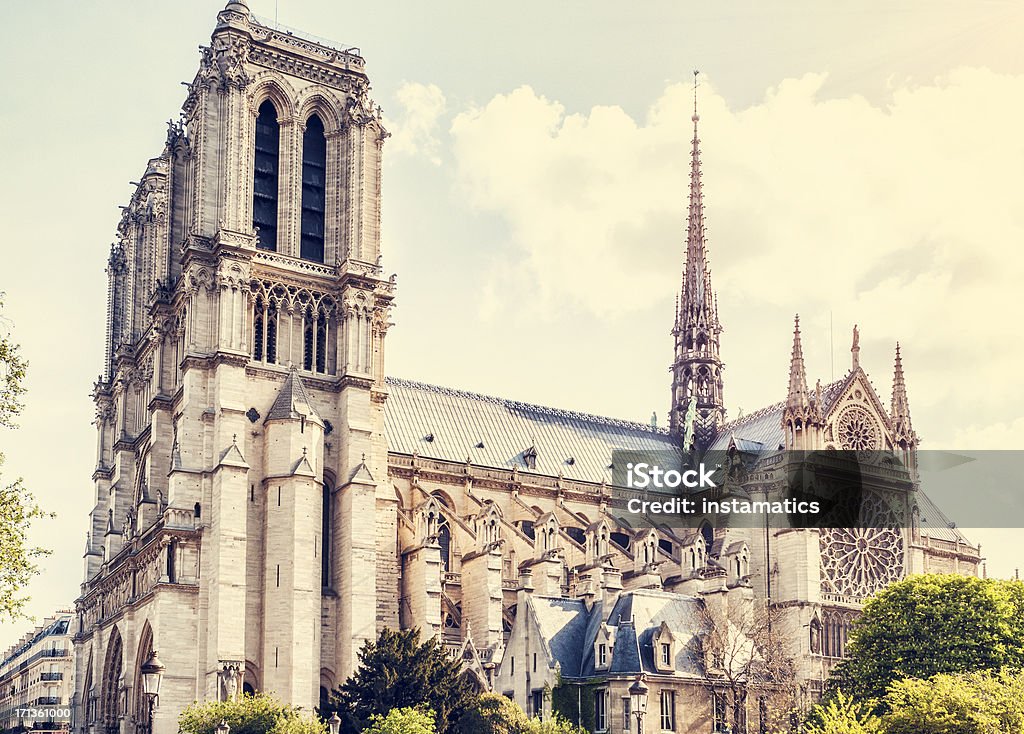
[(763, 428), (576, 445), (637, 616), (563, 626), (292, 401), (448, 424), (935, 524)]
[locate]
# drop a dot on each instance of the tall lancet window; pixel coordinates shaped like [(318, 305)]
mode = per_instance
[(314, 191), (264, 188)]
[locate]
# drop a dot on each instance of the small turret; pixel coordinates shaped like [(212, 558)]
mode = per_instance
[(801, 418), (904, 438)]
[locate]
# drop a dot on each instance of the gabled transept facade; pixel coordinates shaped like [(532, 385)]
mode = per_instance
[(267, 498)]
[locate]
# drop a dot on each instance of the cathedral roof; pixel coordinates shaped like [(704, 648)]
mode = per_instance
[(764, 426), (453, 425), (570, 630), (936, 525)]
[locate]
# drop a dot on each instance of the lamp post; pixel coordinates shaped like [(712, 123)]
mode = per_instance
[(152, 675), (223, 728), (334, 723), (638, 701)]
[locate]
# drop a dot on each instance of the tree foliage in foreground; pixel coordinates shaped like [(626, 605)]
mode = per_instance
[(496, 714), (12, 375), (399, 671), (18, 508), (967, 703), (402, 721), (249, 714), (932, 624), (842, 715)]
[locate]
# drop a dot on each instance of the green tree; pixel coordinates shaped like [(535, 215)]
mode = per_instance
[(493, 714), (402, 721), (842, 715), (249, 714), (398, 671), (967, 703), (12, 375), (18, 508), (555, 724), (932, 624)]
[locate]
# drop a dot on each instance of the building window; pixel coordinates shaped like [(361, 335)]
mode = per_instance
[(666, 654), (602, 655), (264, 337), (668, 710), (601, 711), (265, 167), (835, 631), (627, 725), (325, 555), (762, 715), (314, 191), (172, 551), (537, 703), (314, 340), (718, 709), (739, 713), (444, 539)]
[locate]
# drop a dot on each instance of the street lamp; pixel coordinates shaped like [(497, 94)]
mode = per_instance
[(638, 701), (152, 675), (223, 728), (334, 723)]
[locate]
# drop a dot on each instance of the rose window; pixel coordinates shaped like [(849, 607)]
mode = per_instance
[(857, 562), (858, 431)]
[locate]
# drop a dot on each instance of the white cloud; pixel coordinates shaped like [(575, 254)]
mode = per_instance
[(906, 218), (414, 131)]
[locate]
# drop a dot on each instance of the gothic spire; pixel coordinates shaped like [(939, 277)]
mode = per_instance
[(797, 396), (697, 402), (697, 298), (802, 416), (902, 427)]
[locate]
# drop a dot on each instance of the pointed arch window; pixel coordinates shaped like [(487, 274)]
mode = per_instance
[(314, 190), (325, 550), (444, 539), (264, 337), (265, 174)]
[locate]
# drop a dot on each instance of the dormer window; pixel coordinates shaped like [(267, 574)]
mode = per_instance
[(602, 655), (664, 650)]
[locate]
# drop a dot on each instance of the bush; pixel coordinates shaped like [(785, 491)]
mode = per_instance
[(249, 714), (973, 703), (402, 721), (493, 714), (842, 715), (496, 714)]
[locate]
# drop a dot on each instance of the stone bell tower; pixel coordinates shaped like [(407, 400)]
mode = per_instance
[(240, 413)]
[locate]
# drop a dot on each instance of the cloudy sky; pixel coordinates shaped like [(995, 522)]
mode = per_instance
[(861, 165)]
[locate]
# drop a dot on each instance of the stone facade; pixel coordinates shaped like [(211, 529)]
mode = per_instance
[(266, 500)]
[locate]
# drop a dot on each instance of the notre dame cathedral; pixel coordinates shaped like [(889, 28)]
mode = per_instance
[(268, 498)]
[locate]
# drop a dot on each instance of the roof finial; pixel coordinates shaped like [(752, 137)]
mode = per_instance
[(855, 349)]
